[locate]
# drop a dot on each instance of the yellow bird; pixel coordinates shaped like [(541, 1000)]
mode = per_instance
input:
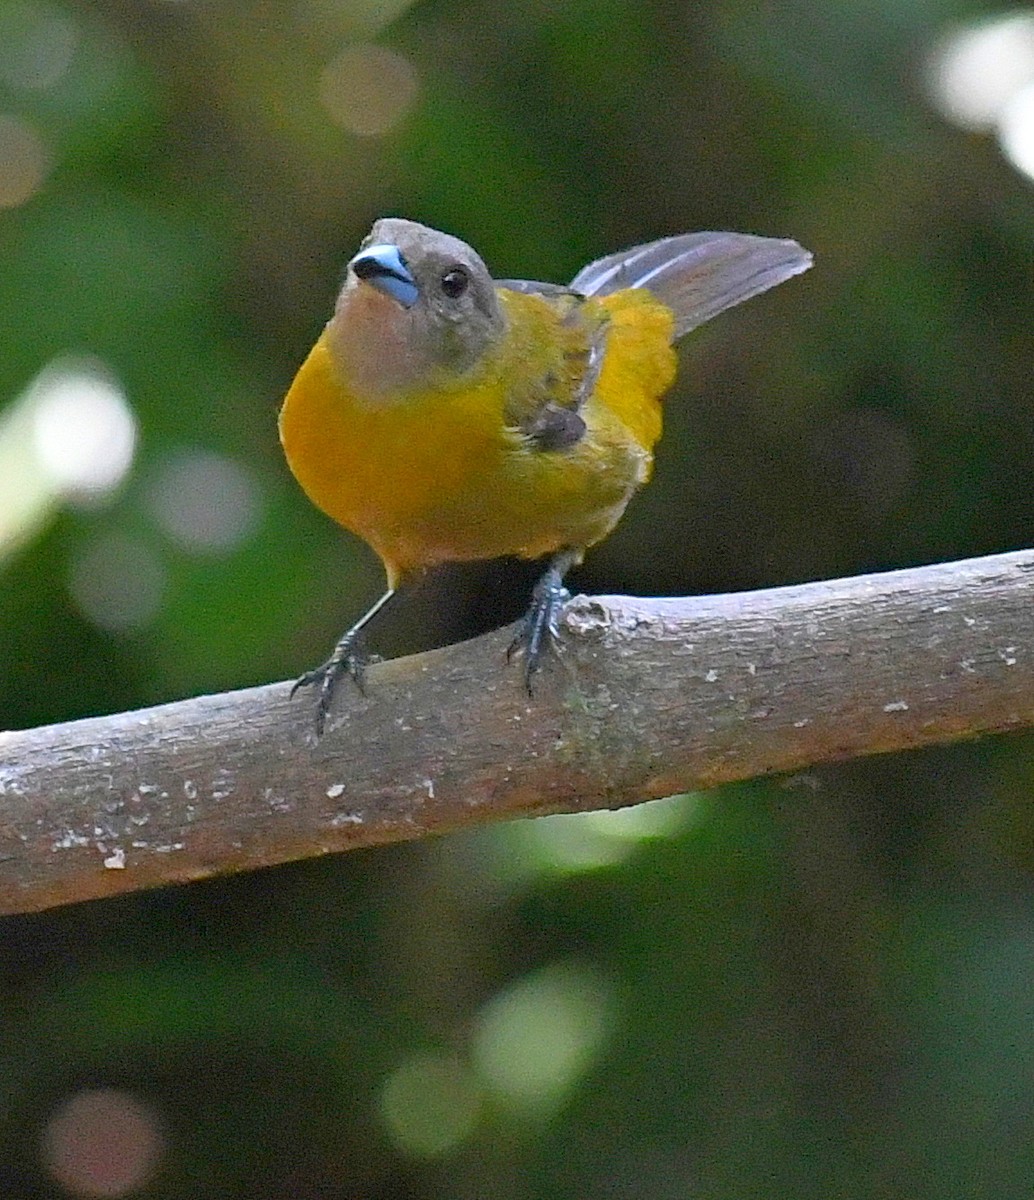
[(443, 416)]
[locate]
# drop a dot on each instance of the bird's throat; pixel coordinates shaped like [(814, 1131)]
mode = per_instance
[(375, 347)]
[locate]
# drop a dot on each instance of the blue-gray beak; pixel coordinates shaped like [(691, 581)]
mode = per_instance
[(384, 267)]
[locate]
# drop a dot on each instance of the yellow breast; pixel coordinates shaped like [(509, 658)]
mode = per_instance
[(438, 475)]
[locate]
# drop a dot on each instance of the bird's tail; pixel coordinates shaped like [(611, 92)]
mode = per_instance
[(697, 275)]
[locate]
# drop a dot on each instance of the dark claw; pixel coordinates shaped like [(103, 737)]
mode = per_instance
[(347, 659)]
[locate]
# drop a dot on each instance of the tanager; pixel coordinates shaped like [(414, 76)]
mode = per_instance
[(444, 416)]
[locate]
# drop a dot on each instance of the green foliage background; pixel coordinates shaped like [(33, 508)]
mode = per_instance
[(819, 987)]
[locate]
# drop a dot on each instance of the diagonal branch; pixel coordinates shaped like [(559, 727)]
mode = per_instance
[(647, 698)]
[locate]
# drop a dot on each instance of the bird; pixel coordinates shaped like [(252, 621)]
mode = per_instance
[(444, 416)]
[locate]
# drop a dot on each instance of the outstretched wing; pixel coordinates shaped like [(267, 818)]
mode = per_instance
[(697, 275)]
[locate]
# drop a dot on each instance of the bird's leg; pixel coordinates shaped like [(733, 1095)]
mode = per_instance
[(347, 658), (538, 625)]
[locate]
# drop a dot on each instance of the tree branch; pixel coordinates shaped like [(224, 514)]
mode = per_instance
[(646, 698)]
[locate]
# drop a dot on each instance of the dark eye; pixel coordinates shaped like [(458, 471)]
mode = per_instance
[(454, 282)]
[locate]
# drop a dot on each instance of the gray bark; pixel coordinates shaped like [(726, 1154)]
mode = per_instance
[(644, 698)]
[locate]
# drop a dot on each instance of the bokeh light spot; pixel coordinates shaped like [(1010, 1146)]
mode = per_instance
[(206, 502), (24, 161), (37, 44), (368, 89), (571, 843), (104, 1142), (69, 436), (644, 822), (975, 69), (534, 1041), (430, 1104), (1016, 131), (84, 429), (981, 77), (357, 18), (118, 582)]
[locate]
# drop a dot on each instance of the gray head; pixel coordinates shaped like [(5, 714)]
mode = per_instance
[(415, 301)]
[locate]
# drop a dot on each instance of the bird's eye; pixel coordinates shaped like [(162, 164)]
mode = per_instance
[(454, 282)]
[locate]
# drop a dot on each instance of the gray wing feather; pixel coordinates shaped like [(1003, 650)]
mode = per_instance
[(533, 287), (697, 275)]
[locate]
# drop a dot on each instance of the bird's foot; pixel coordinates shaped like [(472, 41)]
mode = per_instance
[(538, 627), (348, 658)]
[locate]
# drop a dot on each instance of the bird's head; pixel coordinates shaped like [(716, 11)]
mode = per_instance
[(417, 307)]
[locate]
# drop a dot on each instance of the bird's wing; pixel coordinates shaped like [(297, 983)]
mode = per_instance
[(532, 287), (546, 407)]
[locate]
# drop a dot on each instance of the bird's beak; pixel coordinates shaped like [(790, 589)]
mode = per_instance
[(384, 268)]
